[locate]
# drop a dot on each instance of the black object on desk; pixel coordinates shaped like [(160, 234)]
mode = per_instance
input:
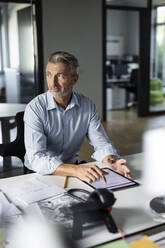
[(96, 208)]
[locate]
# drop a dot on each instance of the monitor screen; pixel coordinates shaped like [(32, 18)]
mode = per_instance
[(120, 69)]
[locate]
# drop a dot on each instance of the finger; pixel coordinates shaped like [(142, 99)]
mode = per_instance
[(129, 175), (101, 173), (87, 179), (121, 161), (111, 160), (126, 171), (94, 173), (103, 178), (91, 177), (105, 173), (124, 167)]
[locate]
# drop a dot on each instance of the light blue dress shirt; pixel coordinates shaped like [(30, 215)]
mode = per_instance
[(54, 135)]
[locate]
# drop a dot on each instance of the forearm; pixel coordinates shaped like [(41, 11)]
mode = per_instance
[(66, 170), (88, 173)]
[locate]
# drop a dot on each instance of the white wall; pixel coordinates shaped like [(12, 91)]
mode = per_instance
[(13, 34), (133, 33), (4, 30), (76, 26), (125, 24), (116, 22), (117, 25)]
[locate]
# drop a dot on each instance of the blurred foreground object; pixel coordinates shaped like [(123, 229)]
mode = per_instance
[(34, 232), (154, 170)]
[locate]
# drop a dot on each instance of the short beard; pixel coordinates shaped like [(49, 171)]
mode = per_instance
[(61, 94)]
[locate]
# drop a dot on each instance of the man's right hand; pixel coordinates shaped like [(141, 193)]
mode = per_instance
[(90, 173)]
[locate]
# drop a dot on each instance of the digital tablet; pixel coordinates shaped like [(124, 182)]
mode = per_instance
[(114, 181)]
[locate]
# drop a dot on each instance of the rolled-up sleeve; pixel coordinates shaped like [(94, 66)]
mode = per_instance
[(37, 157), (98, 138)]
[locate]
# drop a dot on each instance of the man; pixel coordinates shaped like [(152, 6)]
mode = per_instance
[(56, 123)]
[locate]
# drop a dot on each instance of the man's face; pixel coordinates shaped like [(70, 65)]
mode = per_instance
[(60, 80)]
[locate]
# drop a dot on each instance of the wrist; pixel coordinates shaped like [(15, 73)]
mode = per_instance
[(66, 170), (76, 170), (109, 159)]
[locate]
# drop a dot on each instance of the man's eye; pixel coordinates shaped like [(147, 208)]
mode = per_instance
[(61, 76), (49, 74)]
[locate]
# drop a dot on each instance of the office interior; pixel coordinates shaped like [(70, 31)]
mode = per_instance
[(118, 71), (123, 56), (114, 72), (122, 59)]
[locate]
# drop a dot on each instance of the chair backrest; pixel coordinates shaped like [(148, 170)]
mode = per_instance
[(17, 147), (134, 77), (20, 135)]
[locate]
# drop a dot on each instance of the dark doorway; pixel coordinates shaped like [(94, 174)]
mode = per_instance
[(122, 59), (116, 67), (26, 58), (21, 53)]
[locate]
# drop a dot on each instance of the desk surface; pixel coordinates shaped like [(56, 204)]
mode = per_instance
[(10, 109), (131, 210), (118, 80)]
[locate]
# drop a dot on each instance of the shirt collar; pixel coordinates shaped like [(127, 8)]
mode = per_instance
[(74, 101), (52, 103)]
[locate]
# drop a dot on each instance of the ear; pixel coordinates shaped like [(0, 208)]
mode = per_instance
[(75, 79)]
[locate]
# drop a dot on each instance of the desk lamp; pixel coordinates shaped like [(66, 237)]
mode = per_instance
[(154, 170)]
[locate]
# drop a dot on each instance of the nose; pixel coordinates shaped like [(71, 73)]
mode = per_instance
[(55, 79)]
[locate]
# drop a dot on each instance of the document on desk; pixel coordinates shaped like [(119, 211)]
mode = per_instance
[(8, 209), (32, 190)]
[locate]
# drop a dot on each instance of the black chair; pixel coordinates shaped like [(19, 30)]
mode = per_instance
[(132, 87), (134, 82), (16, 148)]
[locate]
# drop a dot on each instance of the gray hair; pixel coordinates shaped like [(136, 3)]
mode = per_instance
[(67, 58)]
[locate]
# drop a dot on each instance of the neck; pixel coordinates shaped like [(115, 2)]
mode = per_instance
[(63, 101)]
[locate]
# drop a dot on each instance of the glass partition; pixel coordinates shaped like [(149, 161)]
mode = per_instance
[(17, 47), (157, 61)]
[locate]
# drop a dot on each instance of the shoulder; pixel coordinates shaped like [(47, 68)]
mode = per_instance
[(84, 100), (37, 106), (86, 106)]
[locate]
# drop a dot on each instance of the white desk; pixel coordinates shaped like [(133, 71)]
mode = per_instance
[(131, 211), (118, 80), (8, 112)]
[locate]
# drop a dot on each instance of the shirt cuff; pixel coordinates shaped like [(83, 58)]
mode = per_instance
[(54, 163), (46, 166), (100, 154)]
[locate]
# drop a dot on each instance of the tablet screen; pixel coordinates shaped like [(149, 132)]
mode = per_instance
[(113, 181)]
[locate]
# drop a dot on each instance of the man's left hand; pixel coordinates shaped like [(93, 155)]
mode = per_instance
[(117, 165)]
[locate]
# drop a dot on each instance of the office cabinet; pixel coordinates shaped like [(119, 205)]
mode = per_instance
[(116, 98)]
